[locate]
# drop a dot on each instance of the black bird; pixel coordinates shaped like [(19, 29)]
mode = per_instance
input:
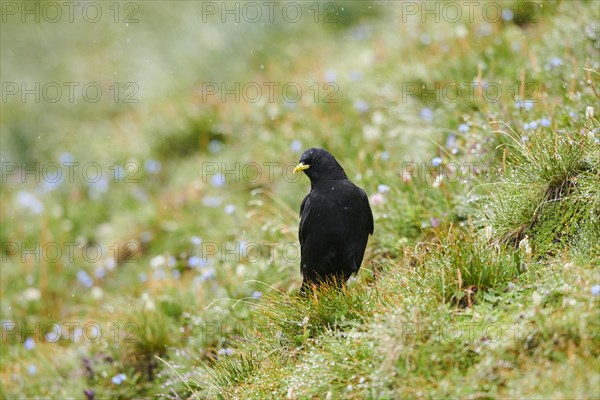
[(335, 222)]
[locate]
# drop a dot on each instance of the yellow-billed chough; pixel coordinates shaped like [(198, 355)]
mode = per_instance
[(335, 221)]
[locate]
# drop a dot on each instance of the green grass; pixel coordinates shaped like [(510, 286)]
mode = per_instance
[(477, 287), (548, 193)]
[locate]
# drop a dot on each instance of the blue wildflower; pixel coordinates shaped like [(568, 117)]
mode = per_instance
[(296, 146), (196, 241), (29, 343), (100, 272), (195, 262), (84, 279), (383, 188), (229, 209), (28, 200), (385, 155), (556, 61), (171, 261), (218, 180), (436, 161), (463, 128), (77, 334), (595, 290), (527, 104), (118, 379), (32, 369), (48, 186), (94, 331), (361, 106), (51, 182), (330, 76), (545, 122), (211, 201), (152, 166), (507, 14), (142, 277), (256, 294), (53, 334), (214, 146), (427, 114), (65, 157), (451, 141), (228, 351)]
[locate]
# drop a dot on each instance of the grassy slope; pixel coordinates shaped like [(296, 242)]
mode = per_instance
[(527, 321)]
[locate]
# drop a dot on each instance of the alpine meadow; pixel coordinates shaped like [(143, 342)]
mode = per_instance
[(152, 238)]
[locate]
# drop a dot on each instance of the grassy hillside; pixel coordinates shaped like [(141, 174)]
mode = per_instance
[(174, 271)]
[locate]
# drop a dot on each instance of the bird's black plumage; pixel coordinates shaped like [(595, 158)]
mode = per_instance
[(335, 221)]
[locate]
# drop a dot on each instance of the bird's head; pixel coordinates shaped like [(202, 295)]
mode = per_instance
[(319, 164)]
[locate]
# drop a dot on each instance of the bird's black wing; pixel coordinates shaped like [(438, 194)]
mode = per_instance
[(302, 227), (358, 225), (318, 235), (335, 223)]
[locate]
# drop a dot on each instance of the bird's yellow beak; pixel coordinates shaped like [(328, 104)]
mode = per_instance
[(301, 167)]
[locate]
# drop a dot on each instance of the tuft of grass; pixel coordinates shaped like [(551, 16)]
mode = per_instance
[(300, 318), (464, 265), (232, 370), (549, 191)]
